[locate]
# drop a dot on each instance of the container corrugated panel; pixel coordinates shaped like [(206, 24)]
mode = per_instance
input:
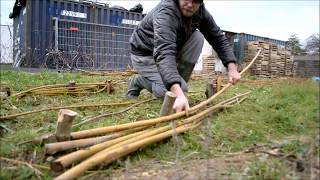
[(40, 23), (18, 38)]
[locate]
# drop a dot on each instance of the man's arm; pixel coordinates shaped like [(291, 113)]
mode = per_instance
[(220, 44), (165, 28), (181, 102), (233, 74)]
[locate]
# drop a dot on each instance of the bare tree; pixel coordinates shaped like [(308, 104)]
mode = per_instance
[(313, 44), (294, 45)]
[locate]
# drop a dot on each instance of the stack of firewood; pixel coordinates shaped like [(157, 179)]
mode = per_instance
[(209, 62)]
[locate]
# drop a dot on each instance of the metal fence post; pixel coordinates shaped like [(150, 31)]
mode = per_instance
[(56, 31)]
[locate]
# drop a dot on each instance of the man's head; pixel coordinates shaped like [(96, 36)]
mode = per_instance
[(189, 7)]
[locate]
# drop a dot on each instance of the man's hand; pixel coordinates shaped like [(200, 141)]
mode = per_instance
[(233, 74), (181, 102)]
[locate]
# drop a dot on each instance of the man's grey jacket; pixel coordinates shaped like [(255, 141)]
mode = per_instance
[(164, 31)]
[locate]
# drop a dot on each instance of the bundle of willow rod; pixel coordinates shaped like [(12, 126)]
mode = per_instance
[(61, 89), (109, 151)]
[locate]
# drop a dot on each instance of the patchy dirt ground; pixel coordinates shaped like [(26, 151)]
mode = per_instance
[(235, 166)]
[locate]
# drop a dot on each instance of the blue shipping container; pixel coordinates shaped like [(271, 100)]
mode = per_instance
[(34, 27)]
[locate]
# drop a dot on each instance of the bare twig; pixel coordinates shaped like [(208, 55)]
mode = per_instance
[(14, 161), (62, 107), (110, 114)]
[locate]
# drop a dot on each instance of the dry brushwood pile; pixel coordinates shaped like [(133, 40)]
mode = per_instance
[(72, 88)]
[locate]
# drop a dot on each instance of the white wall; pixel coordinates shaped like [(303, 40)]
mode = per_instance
[(206, 50)]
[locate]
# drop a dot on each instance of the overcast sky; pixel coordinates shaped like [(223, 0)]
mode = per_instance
[(274, 19)]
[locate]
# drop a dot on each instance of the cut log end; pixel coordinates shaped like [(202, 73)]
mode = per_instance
[(66, 112), (64, 124), (167, 105), (56, 166)]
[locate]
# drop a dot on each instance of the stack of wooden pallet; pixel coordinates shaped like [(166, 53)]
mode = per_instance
[(209, 67), (209, 64), (252, 48), (272, 62)]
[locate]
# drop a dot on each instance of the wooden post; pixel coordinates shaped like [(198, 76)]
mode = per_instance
[(5, 91), (64, 124), (110, 88), (210, 91), (166, 108), (219, 83)]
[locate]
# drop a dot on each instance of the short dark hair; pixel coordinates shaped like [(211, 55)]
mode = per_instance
[(198, 1)]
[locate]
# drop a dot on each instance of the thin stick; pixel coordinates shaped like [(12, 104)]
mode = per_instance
[(62, 107), (111, 114), (23, 163), (49, 86)]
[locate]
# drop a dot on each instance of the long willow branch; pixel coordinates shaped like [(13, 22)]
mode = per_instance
[(53, 86), (76, 156), (62, 107), (111, 114), (52, 148)]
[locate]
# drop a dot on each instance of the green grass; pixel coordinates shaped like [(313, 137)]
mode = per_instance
[(266, 168), (288, 108)]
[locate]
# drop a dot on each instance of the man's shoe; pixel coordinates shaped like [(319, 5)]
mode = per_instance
[(131, 96), (133, 88)]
